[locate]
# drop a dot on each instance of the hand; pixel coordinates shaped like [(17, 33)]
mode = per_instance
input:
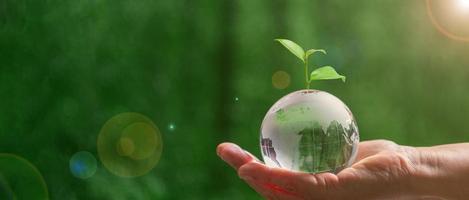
[(382, 169)]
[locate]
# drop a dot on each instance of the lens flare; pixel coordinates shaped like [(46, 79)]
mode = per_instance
[(125, 146), (83, 165), (448, 22), (19, 179), (464, 4), (142, 134), (280, 80), (129, 145)]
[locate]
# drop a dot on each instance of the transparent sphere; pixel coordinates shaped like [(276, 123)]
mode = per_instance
[(309, 131)]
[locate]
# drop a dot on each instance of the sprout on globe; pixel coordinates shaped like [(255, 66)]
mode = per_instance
[(309, 130)]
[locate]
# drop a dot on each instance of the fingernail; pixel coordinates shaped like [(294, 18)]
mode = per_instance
[(228, 149), (233, 149), (234, 155)]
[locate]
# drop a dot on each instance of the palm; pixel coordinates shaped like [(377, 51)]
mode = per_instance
[(379, 165)]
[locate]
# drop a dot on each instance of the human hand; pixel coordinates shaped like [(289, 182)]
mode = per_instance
[(382, 170)]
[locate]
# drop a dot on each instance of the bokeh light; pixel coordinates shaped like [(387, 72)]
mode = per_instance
[(171, 127), (83, 164), (142, 134), (19, 179), (450, 18), (129, 145), (125, 147), (281, 79)]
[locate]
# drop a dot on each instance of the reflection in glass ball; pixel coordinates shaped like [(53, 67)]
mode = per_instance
[(309, 131), (83, 164), (129, 145)]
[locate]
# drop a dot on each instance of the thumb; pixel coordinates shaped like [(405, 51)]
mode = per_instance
[(233, 155)]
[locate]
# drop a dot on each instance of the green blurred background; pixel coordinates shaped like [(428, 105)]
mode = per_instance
[(206, 66)]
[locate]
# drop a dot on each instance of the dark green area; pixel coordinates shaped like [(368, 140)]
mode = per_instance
[(68, 66), (20, 180)]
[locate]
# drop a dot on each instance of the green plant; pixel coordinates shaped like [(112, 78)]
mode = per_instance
[(322, 73)]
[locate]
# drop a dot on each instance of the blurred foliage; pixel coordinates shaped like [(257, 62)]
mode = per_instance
[(66, 67)]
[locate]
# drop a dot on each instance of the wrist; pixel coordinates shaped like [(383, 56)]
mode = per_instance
[(432, 175)]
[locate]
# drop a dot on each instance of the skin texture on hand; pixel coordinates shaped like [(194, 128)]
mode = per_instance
[(382, 170)]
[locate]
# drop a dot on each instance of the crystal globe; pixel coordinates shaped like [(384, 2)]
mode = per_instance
[(309, 131)]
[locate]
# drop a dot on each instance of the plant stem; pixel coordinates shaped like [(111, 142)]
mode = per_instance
[(306, 74)]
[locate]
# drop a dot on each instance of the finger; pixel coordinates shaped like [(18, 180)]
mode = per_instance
[(233, 155), (271, 192), (262, 173), (290, 181)]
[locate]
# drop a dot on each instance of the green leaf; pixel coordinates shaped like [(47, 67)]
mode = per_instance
[(294, 48), (326, 73), (312, 51)]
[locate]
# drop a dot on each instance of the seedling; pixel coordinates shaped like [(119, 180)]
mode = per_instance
[(322, 73)]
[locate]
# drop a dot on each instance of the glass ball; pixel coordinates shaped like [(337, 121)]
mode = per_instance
[(309, 131)]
